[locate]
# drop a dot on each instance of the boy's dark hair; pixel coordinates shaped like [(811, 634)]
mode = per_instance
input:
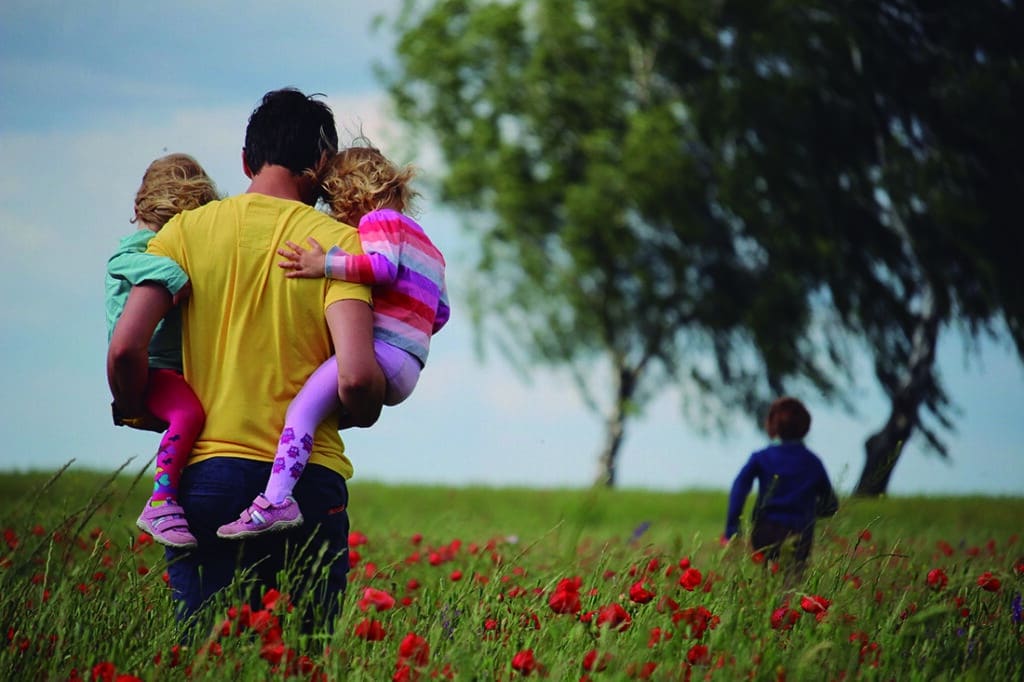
[(787, 419), (289, 129)]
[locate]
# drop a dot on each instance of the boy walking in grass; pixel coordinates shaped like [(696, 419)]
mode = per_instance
[(793, 488)]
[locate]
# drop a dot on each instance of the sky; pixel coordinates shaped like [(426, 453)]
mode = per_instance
[(92, 92)]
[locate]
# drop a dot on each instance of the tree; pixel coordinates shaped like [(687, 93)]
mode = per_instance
[(952, 169), (901, 180), (590, 191), (769, 179)]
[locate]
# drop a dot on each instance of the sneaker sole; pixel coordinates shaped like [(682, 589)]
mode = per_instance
[(162, 540), (276, 528)]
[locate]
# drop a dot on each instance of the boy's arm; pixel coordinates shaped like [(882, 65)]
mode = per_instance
[(828, 502), (738, 496)]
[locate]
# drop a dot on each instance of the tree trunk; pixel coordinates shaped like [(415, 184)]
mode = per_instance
[(615, 430), (615, 427), (883, 448)]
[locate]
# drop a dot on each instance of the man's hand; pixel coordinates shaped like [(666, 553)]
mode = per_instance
[(302, 263), (145, 422)]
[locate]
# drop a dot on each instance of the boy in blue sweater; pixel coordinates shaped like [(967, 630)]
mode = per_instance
[(793, 488)]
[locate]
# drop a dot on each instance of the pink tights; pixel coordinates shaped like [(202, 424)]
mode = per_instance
[(317, 399), (169, 397)]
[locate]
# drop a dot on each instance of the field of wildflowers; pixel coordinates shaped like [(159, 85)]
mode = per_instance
[(502, 584)]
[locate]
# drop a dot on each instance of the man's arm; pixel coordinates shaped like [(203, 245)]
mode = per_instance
[(360, 381), (128, 354)]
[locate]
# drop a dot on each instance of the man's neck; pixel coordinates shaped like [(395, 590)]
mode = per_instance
[(278, 181)]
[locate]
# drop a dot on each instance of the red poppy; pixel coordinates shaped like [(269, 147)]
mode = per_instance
[(614, 616), (989, 582), (699, 618), (272, 598), (815, 604), (690, 579), (379, 599), (937, 579), (657, 635), (370, 630), (263, 621), (784, 618), (667, 604), (698, 655), (414, 650), (272, 652), (491, 628), (404, 673), (640, 594), (355, 538), (524, 662), (566, 597), (642, 671), (103, 672), (593, 663)]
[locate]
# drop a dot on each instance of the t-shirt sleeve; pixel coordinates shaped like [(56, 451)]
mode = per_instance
[(136, 268), (168, 243)]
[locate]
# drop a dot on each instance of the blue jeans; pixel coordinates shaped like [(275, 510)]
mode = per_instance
[(214, 492)]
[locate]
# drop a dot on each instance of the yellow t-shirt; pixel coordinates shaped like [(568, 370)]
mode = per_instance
[(250, 336)]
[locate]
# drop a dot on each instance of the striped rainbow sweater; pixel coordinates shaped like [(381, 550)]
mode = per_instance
[(406, 270)]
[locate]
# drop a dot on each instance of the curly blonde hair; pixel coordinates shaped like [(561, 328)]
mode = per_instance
[(170, 185), (358, 180)]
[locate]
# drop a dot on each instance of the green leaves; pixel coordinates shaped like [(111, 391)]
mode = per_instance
[(718, 192)]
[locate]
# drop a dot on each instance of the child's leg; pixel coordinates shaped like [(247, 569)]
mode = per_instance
[(169, 397), (401, 371), (317, 399)]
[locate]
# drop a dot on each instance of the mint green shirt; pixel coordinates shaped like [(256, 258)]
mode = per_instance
[(131, 265)]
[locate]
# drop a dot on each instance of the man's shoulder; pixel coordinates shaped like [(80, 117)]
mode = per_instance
[(322, 226)]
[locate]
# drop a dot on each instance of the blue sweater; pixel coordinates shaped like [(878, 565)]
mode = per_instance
[(793, 488)]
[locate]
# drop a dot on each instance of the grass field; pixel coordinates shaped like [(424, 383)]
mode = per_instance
[(503, 583)]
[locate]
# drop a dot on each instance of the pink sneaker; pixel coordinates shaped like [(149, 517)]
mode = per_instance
[(167, 525), (263, 516)]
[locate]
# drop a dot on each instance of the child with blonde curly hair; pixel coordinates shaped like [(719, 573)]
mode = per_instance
[(170, 185), (410, 304)]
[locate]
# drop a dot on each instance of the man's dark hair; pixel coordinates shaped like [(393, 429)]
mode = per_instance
[(289, 129)]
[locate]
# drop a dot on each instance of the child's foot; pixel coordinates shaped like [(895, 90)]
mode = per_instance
[(167, 524), (263, 516)]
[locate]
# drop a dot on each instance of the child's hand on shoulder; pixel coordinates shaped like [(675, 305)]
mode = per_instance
[(302, 263)]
